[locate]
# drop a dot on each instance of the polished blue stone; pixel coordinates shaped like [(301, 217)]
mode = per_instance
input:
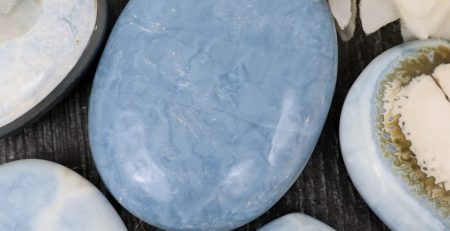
[(38, 195), (296, 222), (203, 113)]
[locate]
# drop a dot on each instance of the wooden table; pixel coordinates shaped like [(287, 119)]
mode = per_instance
[(323, 190)]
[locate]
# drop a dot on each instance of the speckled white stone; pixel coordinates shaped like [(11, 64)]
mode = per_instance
[(38, 195), (40, 43), (296, 222), (385, 191)]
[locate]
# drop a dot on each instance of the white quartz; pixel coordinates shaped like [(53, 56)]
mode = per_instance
[(40, 42), (424, 120), (442, 75)]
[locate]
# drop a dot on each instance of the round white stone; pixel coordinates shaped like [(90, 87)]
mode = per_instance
[(296, 222), (40, 42), (38, 195), (382, 185)]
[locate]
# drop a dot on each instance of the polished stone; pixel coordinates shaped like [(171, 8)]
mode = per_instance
[(39, 195), (40, 43), (383, 186), (204, 113), (296, 222)]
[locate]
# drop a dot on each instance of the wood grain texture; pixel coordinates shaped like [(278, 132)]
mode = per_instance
[(324, 189)]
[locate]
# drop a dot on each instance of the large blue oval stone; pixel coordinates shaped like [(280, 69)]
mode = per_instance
[(203, 113)]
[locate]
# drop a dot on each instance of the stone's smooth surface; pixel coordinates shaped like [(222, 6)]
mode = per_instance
[(391, 197), (40, 43), (38, 195), (17, 19), (203, 113), (296, 222)]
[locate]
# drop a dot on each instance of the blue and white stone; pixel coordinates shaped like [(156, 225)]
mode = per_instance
[(381, 185), (203, 113), (296, 222), (40, 42), (38, 195)]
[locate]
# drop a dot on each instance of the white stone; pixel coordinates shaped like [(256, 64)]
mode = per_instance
[(38, 195), (40, 43)]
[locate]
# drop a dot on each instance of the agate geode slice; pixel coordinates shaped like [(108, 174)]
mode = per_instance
[(203, 113), (394, 135), (45, 45)]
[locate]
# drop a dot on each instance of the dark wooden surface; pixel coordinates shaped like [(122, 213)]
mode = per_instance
[(324, 189)]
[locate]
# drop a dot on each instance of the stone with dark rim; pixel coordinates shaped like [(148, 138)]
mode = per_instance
[(63, 89)]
